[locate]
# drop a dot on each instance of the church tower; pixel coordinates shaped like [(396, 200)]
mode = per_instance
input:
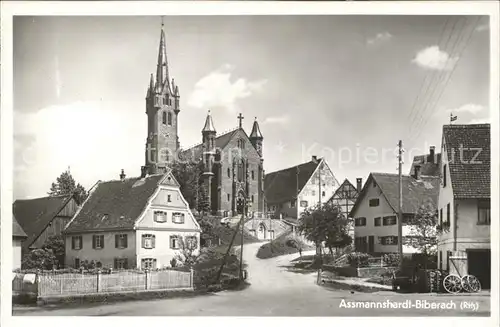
[(208, 134), (162, 110), (256, 137)]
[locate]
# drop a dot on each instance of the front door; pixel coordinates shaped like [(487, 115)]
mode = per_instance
[(371, 244), (479, 265), (262, 232)]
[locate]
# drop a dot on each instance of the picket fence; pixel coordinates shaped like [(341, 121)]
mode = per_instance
[(74, 284)]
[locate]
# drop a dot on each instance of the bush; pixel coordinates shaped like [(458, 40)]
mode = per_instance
[(173, 263), (391, 259), (358, 259)]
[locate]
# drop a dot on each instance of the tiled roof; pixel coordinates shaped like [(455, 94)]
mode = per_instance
[(427, 167), (469, 178), (281, 186), (220, 142), (415, 192), (33, 215), (114, 204), (17, 231)]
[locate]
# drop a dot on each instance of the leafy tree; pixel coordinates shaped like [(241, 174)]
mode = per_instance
[(187, 254), (39, 259), (65, 184), (56, 245), (324, 224), (188, 176), (421, 230), (203, 200)]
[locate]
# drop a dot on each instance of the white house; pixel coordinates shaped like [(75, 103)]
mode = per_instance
[(132, 223), (18, 237), (376, 209), (464, 200)]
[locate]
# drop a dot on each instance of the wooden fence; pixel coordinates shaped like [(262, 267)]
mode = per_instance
[(71, 284)]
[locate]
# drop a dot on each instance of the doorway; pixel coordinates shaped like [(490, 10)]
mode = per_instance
[(479, 265)]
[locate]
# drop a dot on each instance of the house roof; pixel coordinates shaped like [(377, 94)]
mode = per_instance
[(284, 185), (220, 142), (427, 167), (17, 231), (415, 192), (114, 204), (345, 186), (33, 215), (470, 176)]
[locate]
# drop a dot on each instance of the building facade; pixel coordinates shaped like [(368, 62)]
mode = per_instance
[(345, 197), (18, 237), (130, 223), (464, 200)]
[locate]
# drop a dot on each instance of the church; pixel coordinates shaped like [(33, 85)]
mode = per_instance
[(233, 172)]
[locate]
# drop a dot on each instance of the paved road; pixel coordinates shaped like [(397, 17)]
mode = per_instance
[(274, 291)]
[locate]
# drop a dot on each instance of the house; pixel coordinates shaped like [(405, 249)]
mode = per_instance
[(140, 222), (18, 236), (345, 198), (290, 191), (376, 209), (42, 218), (464, 200), (429, 163)]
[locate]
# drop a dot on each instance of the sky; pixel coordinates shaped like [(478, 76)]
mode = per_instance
[(345, 88)]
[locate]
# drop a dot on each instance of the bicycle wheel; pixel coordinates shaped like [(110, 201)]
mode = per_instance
[(452, 284), (471, 284)]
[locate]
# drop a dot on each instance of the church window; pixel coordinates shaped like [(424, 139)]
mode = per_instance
[(169, 118), (253, 175), (164, 118), (252, 198), (228, 197), (241, 144), (228, 172)]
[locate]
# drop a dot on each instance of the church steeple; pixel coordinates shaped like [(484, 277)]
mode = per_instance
[(256, 137), (209, 125), (162, 76)]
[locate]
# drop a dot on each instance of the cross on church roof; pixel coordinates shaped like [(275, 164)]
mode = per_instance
[(240, 118)]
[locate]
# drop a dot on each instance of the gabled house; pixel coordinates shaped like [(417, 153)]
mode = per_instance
[(139, 222), (376, 209), (18, 236), (290, 191), (464, 200), (42, 218), (428, 164), (345, 198)]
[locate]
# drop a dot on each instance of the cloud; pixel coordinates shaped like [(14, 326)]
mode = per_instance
[(217, 90), (480, 121), (483, 27), (284, 119), (433, 58), (470, 107), (379, 38)]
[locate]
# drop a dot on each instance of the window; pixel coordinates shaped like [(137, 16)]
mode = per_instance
[(253, 175), (164, 118), (169, 120), (377, 221), (484, 212), (389, 220), (76, 243), (389, 240), (252, 198), (148, 241), (323, 193), (241, 144), (160, 216), (271, 234), (293, 203), (174, 242), (229, 197), (178, 218), (191, 242), (303, 204), (120, 263), (169, 198), (77, 263), (121, 241), (361, 221), (98, 241), (448, 213), (313, 193), (228, 172), (148, 263), (374, 202), (444, 175)]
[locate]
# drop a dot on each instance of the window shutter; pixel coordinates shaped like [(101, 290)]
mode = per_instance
[(73, 243), (153, 238), (93, 241), (143, 242), (115, 263), (102, 241), (171, 242), (116, 240), (125, 241), (396, 241), (125, 262), (81, 242)]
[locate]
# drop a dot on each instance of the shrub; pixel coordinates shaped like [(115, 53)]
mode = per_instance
[(173, 263), (391, 259), (358, 259)]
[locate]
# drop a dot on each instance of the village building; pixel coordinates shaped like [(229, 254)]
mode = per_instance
[(428, 164), (140, 222), (345, 197), (232, 161), (18, 237), (289, 192), (42, 218), (465, 201), (376, 210)]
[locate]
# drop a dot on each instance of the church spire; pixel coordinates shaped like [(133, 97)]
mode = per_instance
[(162, 68), (209, 124), (256, 134)]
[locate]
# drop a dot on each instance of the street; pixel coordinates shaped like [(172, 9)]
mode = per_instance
[(274, 291)]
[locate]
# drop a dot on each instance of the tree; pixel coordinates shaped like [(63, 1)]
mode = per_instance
[(188, 246), (421, 230), (55, 244), (65, 184), (188, 176), (203, 200), (39, 259), (325, 223)]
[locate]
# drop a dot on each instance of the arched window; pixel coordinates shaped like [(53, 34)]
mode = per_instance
[(164, 118), (170, 118)]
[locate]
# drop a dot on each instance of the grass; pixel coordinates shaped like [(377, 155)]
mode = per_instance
[(281, 246)]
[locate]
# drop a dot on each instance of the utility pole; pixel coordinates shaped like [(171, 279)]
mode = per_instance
[(400, 209), (242, 229), (319, 183)]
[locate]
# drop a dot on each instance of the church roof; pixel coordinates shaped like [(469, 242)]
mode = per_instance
[(284, 185), (34, 215), (220, 142), (114, 204), (255, 130)]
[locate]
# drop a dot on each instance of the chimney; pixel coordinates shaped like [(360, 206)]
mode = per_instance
[(144, 171), (359, 184), (416, 173), (122, 175), (314, 159), (432, 151)]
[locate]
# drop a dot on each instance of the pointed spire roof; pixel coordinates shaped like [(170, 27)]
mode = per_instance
[(151, 87), (209, 124), (256, 130), (162, 76)]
